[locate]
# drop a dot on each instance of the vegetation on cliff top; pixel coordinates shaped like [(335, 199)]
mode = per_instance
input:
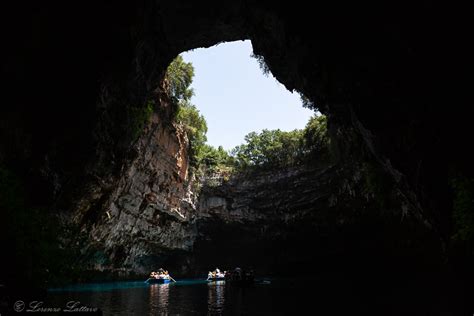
[(264, 150), (180, 76), (276, 148)]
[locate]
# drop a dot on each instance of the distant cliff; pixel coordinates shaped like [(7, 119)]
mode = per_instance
[(309, 219)]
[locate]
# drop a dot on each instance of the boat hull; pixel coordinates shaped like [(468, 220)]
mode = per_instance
[(158, 281), (216, 279)]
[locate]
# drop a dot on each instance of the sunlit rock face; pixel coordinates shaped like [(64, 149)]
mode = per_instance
[(147, 215), (73, 75)]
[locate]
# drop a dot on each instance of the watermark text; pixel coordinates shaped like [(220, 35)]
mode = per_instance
[(40, 307)]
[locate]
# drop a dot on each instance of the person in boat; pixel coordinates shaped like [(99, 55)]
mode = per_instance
[(249, 275), (153, 275), (237, 275), (161, 273)]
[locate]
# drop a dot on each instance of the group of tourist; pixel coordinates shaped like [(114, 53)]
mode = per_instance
[(240, 275), (216, 274), (160, 274), (237, 274)]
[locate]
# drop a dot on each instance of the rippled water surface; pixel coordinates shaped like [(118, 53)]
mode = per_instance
[(268, 297), (183, 297)]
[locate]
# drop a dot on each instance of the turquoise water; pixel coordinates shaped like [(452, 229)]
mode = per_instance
[(100, 287), (184, 297), (331, 295)]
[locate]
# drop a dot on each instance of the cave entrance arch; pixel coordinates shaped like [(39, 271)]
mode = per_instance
[(233, 242), (236, 98), (368, 72)]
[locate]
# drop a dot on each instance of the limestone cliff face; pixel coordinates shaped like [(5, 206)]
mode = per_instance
[(308, 218), (253, 219), (154, 214), (257, 198), (147, 214)]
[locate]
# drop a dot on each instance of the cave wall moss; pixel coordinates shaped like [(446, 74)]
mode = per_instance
[(463, 190)]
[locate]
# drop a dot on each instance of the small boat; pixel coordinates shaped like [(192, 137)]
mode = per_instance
[(160, 277), (157, 281), (216, 278), (216, 275), (241, 277)]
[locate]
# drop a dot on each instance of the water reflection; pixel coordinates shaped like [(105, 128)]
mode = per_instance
[(215, 298), (280, 297), (159, 298)]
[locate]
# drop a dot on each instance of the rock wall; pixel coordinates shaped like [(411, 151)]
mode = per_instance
[(145, 217), (155, 214), (310, 219), (365, 71)]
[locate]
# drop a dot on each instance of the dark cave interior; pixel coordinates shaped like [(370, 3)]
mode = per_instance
[(394, 76)]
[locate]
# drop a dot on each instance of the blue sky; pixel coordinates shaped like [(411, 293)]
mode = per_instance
[(236, 98)]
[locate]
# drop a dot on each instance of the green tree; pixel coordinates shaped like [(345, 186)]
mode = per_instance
[(276, 148), (270, 148), (316, 138), (195, 126), (215, 159), (306, 102), (261, 63), (179, 76)]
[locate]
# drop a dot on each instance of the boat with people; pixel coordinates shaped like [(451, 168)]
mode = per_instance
[(158, 281), (160, 277), (240, 277), (216, 275)]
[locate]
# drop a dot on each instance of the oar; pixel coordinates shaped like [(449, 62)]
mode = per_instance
[(172, 278)]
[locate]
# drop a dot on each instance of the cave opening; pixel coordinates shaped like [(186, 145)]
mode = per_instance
[(383, 211), (236, 96), (265, 130)]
